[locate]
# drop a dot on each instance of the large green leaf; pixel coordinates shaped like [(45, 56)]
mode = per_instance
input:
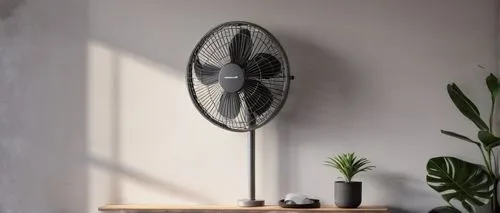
[(489, 140), (459, 136), (493, 85), (465, 106), (445, 209), (459, 180)]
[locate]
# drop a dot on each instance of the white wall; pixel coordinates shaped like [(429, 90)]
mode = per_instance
[(94, 107)]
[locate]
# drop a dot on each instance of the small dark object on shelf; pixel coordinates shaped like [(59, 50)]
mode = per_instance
[(315, 204)]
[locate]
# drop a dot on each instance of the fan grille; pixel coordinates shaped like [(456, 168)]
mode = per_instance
[(213, 50)]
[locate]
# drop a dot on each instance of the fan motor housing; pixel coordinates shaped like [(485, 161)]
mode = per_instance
[(231, 77)]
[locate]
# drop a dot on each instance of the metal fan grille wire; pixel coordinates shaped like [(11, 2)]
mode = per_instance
[(213, 51)]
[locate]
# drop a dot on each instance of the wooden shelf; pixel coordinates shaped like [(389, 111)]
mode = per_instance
[(191, 208)]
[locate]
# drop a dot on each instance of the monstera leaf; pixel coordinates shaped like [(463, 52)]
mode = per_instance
[(459, 180)]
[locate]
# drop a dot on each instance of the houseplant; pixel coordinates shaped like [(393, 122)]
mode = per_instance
[(347, 193), (469, 184)]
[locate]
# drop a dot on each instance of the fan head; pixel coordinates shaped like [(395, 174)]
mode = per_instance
[(238, 76)]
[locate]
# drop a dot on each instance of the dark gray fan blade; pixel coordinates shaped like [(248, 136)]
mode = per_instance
[(206, 73), (257, 97), (263, 65), (230, 104), (240, 48)]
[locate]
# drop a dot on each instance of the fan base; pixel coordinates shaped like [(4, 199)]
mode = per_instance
[(250, 203)]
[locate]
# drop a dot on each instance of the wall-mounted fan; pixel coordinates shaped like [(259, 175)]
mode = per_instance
[(238, 78)]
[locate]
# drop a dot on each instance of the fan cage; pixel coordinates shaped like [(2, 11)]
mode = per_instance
[(213, 50)]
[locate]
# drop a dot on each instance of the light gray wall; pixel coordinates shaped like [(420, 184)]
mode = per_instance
[(94, 109), (43, 107)]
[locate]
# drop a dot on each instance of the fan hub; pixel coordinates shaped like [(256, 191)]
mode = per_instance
[(231, 77)]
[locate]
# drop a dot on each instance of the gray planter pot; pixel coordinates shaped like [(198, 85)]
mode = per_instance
[(347, 194)]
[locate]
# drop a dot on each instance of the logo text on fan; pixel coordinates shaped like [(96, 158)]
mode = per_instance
[(230, 77)]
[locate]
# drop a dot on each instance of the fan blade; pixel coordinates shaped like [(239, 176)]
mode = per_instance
[(206, 73), (240, 48), (263, 65), (257, 97), (229, 105)]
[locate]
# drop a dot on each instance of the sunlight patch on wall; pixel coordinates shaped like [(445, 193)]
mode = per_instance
[(148, 143), (149, 107), (158, 118), (99, 101)]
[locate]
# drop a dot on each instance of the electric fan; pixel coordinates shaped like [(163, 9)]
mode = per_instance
[(238, 78)]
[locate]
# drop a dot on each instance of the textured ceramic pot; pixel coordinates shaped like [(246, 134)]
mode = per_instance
[(347, 194)]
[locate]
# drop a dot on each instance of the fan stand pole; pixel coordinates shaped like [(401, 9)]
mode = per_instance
[(252, 202)]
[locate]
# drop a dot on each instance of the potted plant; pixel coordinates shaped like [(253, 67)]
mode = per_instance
[(468, 184), (347, 193)]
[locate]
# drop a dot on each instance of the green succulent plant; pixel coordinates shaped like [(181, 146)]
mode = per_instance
[(348, 164), (469, 184)]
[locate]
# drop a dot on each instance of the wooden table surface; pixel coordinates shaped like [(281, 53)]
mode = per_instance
[(203, 208)]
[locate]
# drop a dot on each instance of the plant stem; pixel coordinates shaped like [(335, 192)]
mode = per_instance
[(491, 113), (487, 161), (494, 201), (489, 164), (495, 206)]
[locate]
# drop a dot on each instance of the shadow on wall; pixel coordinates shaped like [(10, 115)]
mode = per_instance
[(7, 7), (393, 185), (151, 37), (43, 107), (113, 125), (153, 183), (323, 85)]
